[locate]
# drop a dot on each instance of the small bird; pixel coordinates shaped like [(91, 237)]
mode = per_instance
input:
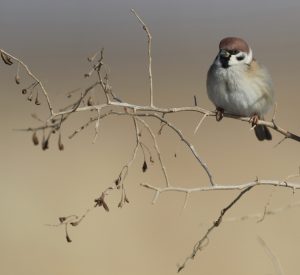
[(237, 84)]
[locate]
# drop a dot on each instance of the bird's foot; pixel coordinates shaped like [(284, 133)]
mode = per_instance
[(219, 114), (254, 119)]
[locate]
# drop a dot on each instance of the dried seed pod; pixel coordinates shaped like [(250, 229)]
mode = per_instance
[(145, 167), (17, 79), (126, 199), (37, 102), (60, 145), (86, 75), (62, 219), (90, 101), (68, 238), (6, 59), (105, 206), (29, 98), (117, 181), (35, 139), (24, 91), (45, 144), (75, 223), (98, 202)]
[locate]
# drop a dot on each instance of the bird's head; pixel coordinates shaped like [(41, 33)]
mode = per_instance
[(234, 51)]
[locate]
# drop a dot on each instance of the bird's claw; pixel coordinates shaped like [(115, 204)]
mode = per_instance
[(219, 114), (254, 120)]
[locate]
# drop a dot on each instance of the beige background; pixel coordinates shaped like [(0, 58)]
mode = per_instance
[(54, 38)]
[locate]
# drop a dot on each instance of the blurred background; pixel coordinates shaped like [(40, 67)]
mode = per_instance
[(55, 38)]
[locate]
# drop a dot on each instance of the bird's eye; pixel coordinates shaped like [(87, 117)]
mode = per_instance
[(240, 58)]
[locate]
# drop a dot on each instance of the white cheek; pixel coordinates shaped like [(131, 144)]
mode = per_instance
[(249, 57), (234, 61)]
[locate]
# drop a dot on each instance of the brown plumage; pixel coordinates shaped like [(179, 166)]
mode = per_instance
[(234, 43)]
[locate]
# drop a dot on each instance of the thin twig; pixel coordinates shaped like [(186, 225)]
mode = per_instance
[(157, 149), (34, 77), (199, 245), (146, 29), (97, 125), (200, 123)]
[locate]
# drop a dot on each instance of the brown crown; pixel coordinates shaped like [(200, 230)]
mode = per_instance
[(234, 43)]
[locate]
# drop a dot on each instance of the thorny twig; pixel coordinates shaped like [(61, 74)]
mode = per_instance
[(284, 184)]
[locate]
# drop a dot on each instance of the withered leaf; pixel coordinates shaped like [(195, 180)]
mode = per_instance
[(60, 144), (29, 98), (6, 59), (45, 144), (90, 101), (35, 139), (17, 79), (62, 219), (126, 199), (37, 102), (68, 238), (75, 223), (98, 202), (105, 206), (145, 167)]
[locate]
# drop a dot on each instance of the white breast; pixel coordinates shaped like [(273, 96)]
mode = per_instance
[(239, 92)]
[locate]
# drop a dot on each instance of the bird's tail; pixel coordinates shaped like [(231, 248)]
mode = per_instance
[(262, 132)]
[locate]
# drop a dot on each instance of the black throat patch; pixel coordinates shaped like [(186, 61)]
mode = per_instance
[(225, 61)]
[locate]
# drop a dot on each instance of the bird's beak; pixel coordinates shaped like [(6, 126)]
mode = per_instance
[(224, 54)]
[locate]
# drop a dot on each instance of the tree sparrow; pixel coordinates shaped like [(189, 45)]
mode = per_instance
[(239, 85)]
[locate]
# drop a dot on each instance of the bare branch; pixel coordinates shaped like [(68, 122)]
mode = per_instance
[(243, 186), (97, 125), (146, 29), (148, 109), (199, 245)]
